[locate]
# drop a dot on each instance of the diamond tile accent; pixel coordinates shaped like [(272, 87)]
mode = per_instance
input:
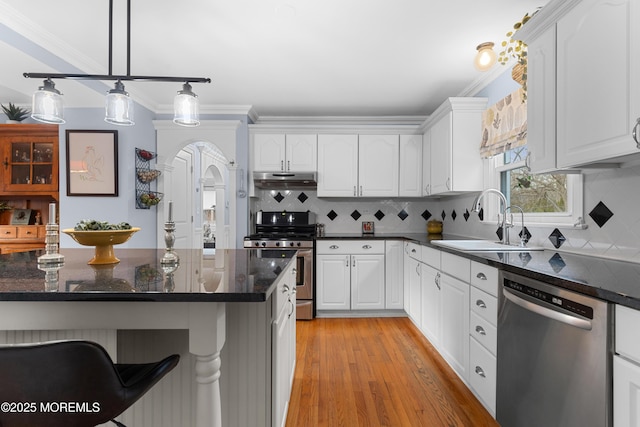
[(332, 215), (379, 215), (302, 197), (481, 214), (525, 235), (601, 214), (426, 215), (557, 263), (355, 215), (279, 197), (443, 215), (466, 215), (499, 233), (403, 214), (454, 215), (277, 270), (556, 238)]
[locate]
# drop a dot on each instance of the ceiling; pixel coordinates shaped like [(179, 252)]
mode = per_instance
[(282, 57)]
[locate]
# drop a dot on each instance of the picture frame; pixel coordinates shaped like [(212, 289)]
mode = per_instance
[(367, 227), (21, 217), (92, 163)]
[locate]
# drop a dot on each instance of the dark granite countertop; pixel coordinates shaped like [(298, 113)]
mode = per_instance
[(611, 280), (242, 275)]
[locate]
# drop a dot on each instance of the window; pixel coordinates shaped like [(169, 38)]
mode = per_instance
[(546, 199)]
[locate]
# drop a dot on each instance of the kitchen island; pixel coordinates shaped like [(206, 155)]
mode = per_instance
[(139, 294)]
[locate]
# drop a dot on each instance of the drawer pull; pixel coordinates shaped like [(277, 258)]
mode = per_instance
[(437, 280), (413, 251), (28, 232), (481, 276), (334, 247), (480, 330), (285, 289), (481, 304), (366, 246), (480, 372), (7, 232)]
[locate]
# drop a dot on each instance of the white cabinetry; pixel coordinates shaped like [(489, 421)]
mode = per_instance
[(431, 302), (337, 165), (626, 368), (483, 333), (410, 166), (596, 124), (569, 126), (284, 345), (284, 153), (426, 163), (455, 164), (412, 288), (350, 275), (358, 165), (394, 273)]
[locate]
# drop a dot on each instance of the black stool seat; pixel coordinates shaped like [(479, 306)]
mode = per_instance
[(70, 383)]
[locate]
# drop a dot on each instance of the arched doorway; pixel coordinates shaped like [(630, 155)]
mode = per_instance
[(211, 148)]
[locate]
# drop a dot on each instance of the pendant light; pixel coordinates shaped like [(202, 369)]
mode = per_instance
[(486, 57), (118, 106), (46, 104), (186, 108)]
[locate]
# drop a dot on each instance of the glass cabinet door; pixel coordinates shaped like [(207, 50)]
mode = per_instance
[(30, 165)]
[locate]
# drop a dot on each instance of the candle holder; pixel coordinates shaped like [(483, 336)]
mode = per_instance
[(169, 258), (51, 242), (51, 275)]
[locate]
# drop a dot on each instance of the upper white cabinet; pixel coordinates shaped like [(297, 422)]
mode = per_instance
[(426, 163), (454, 159), (337, 165), (410, 166), (378, 165), (582, 110), (285, 153), (358, 165)]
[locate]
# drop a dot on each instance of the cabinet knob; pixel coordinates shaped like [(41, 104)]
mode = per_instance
[(480, 371), (634, 133), (480, 330), (334, 247), (481, 304), (366, 246), (481, 276)]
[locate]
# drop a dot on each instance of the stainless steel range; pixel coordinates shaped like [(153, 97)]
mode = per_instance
[(281, 231)]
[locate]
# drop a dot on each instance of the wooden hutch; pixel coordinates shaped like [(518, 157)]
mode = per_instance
[(29, 182)]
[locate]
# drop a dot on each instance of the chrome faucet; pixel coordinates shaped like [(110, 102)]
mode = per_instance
[(523, 238), (503, 210)]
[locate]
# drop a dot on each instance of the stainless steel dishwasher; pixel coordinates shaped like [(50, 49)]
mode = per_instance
[(554, 357)]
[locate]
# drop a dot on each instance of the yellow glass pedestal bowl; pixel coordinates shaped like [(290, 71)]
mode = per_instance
[(103, 240)]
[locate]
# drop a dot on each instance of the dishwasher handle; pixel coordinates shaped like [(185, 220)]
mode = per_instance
[(547, 312)]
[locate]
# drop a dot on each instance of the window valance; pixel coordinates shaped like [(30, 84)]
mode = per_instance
[(504, 125)]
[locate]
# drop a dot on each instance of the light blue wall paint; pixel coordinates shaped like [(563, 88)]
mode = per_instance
[(112, 209), (500, 87)]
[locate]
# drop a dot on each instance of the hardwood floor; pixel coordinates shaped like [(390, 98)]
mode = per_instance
[(376, 372)]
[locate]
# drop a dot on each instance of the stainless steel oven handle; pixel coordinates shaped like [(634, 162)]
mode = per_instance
[(547, 312)]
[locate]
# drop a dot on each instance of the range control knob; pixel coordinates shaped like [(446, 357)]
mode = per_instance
[(263, 244), (298, 243), (291, 244), (256, 244), (277, 243)]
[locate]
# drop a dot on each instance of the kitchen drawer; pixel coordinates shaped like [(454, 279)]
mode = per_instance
[(349, 247), (485, 305), (627, 343), (414, 250), (456, 266), (482, 374), (484, 332), (28, 232), (8, 232), (485, 278), (431, 257)]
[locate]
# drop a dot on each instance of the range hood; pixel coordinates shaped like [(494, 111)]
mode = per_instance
[(285, 179)]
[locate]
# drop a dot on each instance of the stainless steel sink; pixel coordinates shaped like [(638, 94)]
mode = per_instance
[(483, 246)]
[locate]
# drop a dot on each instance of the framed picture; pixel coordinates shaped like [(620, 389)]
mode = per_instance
[(367, 227), (92, 163), (21, 217)]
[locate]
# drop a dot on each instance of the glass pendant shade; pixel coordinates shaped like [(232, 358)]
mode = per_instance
[(46, 104), (486, 57), (186, 108), (118, 106)]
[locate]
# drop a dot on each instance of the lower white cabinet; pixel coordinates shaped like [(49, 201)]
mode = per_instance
[(283, 357), (394, 274), (626, 368), (430, 303), (454, 322), (350, 275), (412, 285)]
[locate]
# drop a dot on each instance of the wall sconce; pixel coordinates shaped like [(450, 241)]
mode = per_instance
[(486, 57)]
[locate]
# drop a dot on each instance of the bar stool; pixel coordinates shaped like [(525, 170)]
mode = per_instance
[(70, 383)]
